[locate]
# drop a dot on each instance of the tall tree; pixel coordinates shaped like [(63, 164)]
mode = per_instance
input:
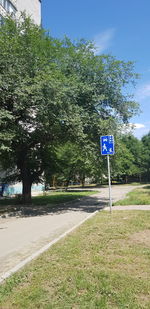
[(52, 91)]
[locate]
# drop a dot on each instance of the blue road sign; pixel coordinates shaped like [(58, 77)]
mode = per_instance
[(107, 145)]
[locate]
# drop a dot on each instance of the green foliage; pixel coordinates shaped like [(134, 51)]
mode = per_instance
[(124, 161), (127, 162), (53, 91), (75, 162), (146, 156)]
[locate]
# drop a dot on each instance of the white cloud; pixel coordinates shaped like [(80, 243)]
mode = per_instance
[(140, 129), (143, 92), (138, 125), (133, 126), (140, 133), (137, 129), (103, 40)]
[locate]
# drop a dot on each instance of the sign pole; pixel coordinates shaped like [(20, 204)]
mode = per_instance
[(107, 148), (109, 181)]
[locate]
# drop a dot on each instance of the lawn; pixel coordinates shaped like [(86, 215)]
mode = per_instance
[(139, 196), (103, 264), (47, 199)]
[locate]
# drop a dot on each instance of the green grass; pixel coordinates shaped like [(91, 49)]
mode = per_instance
[(103, 264), (60, 197), (139, 196), (47, 199)]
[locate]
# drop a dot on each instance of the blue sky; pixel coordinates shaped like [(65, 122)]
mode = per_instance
[(118, 27)]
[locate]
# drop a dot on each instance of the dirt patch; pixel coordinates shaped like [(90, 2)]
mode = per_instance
[(142, 237), (143, 300)]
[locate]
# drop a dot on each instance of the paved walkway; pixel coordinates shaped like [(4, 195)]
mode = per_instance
[(20, 237)]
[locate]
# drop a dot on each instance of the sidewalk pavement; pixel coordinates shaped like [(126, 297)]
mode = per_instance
[(21, 237)]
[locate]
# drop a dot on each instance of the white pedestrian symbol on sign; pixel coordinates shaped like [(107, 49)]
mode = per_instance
[(104, 147)]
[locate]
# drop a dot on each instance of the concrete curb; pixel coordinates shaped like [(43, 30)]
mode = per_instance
[(42, 250), (129, 207)]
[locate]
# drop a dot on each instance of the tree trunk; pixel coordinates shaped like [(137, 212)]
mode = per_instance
[(26, 191), (54, 181), (83, 181)]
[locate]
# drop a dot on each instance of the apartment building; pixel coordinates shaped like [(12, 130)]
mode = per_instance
[(15, 7)]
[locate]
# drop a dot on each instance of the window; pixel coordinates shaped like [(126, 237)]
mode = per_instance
[(3, 3), (1, 20), (8, 6)]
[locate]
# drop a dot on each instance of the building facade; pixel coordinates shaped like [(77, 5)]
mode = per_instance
[(15, 7)]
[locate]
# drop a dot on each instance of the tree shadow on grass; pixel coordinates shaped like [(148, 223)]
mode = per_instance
[(147, 187), (87, 204)]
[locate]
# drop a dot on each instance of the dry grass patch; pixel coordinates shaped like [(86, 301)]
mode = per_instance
[(142, 238)]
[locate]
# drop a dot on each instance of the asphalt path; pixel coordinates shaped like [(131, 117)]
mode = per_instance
[(21, 237)]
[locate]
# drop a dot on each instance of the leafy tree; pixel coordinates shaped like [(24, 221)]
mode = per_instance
[(135, 147), (127, 162), (123, 165), (146, 156), (31, 89), (53, 91), (74, 163)]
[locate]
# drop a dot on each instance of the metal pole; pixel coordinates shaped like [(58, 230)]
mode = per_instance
[(110, 198)]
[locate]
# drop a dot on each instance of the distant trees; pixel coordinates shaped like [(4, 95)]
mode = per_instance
[(74, 163), (132, 158), (146, 156), (56, 98), (122, 162)]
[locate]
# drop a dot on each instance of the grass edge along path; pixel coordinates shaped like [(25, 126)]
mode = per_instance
[(103, 264), (139, 196)]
